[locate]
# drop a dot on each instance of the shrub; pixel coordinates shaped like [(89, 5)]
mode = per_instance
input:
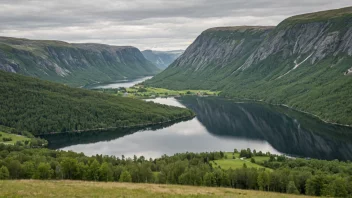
[(7, 139)]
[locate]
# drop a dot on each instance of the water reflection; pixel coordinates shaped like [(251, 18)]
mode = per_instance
[(286, 130), (220, 125)]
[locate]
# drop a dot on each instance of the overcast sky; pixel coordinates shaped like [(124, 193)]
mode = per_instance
[(146, 24)]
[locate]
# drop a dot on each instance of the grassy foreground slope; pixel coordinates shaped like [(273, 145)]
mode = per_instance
[(66, 188), (37, 106)]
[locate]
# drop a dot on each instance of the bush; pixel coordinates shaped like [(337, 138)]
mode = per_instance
[(7, 139), (141, 89), (125, 177), (4, 173)]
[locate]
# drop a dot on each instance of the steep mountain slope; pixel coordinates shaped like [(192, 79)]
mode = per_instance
[(38, 106), (162, 59), (212, 56), (73, 64), (304, 62)]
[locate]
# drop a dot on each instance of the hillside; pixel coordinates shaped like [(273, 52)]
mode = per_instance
[(37, 106), (25, 188), (162, 59), (211, 57), (304, 62), (72, 64)]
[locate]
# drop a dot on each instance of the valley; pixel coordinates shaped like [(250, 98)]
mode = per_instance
[(244, 111), (162, 59)]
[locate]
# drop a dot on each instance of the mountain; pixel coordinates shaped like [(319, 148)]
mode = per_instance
[(211, 57), (38, 106), (162, 59), (304, 62), (72, 64)]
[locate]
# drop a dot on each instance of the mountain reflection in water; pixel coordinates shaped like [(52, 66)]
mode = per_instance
[(220, 125)]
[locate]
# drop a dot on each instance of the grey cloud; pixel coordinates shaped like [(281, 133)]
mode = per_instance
[(161, 24)]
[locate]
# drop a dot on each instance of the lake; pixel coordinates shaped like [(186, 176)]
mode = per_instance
[(220, 125), (117, 84)]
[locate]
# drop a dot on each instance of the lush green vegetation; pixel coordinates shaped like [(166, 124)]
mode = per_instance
[(72, 64), (140, 91), (235, 160), (13, 138), (294, 176), (40, 188), (37, 106), (318, 86)]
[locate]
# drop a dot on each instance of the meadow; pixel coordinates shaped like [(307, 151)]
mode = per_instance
[(142, 92), (14, 138), (69, 188), (228, 162)]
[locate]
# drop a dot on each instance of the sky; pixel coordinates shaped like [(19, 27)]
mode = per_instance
[(146, 24)]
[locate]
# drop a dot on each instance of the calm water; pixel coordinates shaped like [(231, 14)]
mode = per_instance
[(117, 84), (220, 125)]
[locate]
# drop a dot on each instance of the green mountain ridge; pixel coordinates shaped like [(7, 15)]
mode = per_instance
[(38, 106), (304, 62), (72, 64)]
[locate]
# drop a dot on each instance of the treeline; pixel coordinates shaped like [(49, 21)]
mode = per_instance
[(37, 106), (298, 176)]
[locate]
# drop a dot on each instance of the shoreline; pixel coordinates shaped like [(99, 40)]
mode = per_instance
[(121, 127), (292, 108)]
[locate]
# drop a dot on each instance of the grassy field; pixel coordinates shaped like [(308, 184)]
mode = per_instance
[(234, 164), (139, 91), (237, 162), (36, 188), (14, 138)]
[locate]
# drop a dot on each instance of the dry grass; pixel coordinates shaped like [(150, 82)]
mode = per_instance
[(35, 188)]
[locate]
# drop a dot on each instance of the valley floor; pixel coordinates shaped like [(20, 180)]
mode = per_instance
[(37, 188)]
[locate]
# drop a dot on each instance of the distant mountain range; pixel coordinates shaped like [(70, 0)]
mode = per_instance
[(305, 62), (162, 59), (72, 64)]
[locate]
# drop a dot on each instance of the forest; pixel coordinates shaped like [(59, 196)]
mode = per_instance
[(37, 106), (280, 173)]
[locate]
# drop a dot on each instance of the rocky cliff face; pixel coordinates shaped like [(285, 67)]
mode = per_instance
[(73, 64), (305, 62), (216, 53), (162, 59), (307, 39), (221, 46)]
